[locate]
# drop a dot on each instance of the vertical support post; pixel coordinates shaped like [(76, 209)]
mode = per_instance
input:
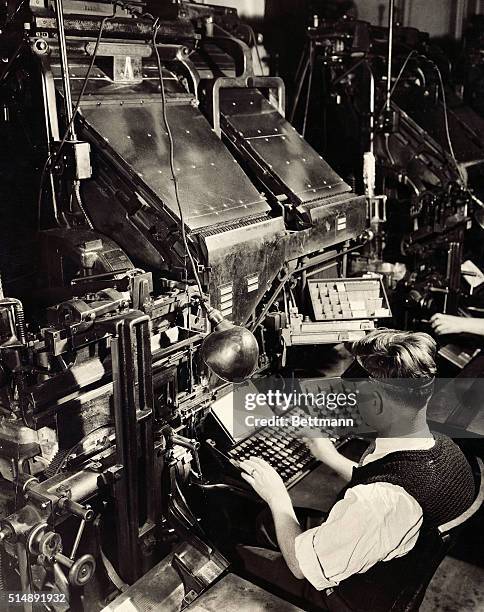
[(460, 16), (312, 64), (454, 261), (133, 414), (391, 11), (372, 109)]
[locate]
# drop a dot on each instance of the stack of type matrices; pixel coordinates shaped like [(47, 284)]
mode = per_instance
[(348, 298)]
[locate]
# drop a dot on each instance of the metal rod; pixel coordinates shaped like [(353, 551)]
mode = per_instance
[(460, 15), (75, 546), (300, 84), (61, 580), (61, 34), (11, 61), (391, 9), (372, 108), (310, 86)]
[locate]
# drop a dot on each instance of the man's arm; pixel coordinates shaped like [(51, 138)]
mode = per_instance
[(269, 485), (372, 523), (443, 324), (287, 530), (325, 451)]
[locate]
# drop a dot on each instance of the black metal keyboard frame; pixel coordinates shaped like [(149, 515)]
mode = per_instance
[(289, 447)]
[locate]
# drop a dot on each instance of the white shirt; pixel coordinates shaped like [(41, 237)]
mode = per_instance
[(372, 523)]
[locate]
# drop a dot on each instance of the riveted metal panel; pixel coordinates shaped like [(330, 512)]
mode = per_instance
[(278, 147), (239, 256), (213, 188)]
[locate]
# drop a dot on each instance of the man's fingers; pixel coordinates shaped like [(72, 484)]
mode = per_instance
[(248, 479), (248, 465), (260, 462)]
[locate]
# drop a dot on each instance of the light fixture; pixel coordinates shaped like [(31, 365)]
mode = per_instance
[(229, 350)]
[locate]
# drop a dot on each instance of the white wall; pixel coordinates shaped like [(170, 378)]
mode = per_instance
[(246, 8), (433, 16)]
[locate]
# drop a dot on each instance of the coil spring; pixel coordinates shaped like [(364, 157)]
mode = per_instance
[(3, 584), (19, 317)]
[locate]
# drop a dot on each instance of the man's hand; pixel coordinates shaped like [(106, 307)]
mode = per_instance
[(268, 484), (264, 479), (322, 449), (443, 324)]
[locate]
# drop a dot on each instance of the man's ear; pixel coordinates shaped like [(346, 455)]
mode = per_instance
[(378, 405), (370, 397)]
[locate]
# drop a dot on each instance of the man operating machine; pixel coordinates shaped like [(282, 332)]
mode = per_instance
[(166, 233)]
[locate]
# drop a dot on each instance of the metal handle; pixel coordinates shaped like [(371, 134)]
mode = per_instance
[(244, 83)]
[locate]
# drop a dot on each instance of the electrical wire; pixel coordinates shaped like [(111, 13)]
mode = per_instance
[(444, 104), (51, 159), (446, 122), (13, 15), (399, 75), (77, 193), (156, 27), (402, 70)]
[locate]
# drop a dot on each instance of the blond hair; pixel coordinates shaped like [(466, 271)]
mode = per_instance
[(390, 353)]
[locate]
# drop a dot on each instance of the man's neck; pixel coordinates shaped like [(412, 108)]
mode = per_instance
[(416, 428)]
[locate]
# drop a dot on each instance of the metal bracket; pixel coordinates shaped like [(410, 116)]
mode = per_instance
[(246, 82), (192, 583)]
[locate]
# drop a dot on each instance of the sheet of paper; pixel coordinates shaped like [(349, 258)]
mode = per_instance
[(472, 273)]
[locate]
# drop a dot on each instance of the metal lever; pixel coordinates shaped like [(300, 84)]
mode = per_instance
[(84, 513), (192, 584), (191, 445)]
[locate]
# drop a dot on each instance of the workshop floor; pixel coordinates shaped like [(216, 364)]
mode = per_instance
[(456, 587)]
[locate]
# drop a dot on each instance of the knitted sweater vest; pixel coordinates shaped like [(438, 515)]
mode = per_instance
[(440, 479)]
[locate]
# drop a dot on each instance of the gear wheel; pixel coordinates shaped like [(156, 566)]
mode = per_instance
[(58, 460), (90, 440)]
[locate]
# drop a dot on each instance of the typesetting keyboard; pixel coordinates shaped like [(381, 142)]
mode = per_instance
[(282, 446), (287, 454)]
